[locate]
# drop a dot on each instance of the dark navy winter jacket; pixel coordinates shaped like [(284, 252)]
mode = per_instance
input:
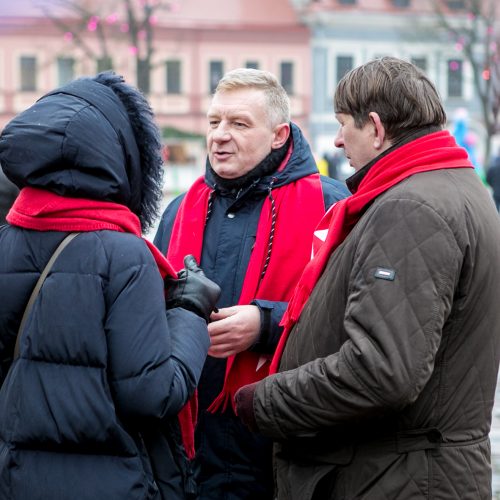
[(102, 365), (233, 462)]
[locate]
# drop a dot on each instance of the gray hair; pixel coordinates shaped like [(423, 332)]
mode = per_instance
[(278, 102)]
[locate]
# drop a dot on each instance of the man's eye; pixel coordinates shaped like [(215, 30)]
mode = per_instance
[(213, 123), (240, 124)]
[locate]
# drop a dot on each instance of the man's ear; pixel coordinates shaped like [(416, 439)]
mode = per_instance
[(379, 136), (281, 133)]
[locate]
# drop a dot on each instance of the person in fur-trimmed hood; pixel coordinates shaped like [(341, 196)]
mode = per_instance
[(387, 368), (250, 219), (94, 377)]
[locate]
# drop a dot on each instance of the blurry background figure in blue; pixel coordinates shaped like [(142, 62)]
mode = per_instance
[(467, 139), (493, 178)]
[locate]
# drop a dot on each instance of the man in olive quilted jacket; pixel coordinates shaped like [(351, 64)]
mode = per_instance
[(386, 374)]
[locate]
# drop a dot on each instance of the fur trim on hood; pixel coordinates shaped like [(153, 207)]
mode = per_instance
[(92, 138)]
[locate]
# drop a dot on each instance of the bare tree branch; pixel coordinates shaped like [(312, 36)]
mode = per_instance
[(478, 35), (138, 19)]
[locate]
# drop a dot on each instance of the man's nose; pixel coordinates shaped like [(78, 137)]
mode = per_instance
[(221, 133), (339, 140)]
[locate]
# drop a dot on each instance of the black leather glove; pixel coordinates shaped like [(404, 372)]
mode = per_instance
[(192, 290)]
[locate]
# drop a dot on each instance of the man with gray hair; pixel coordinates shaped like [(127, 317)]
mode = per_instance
[(249, 220)]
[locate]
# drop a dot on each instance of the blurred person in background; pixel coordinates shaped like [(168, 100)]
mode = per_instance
[(333, 160), (493, 179), (94, 378), (387, 368), (250, 221)]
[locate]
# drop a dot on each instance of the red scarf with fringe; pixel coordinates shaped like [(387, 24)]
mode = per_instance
[(435, 151), (298, 207), (46, 211)]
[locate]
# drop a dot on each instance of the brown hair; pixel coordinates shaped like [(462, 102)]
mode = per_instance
[(397, 90)]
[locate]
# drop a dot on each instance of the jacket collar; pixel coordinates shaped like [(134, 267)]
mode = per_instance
[(354, 180), (301, 163)]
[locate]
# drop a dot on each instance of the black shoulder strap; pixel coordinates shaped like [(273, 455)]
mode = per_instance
[(39, 284)]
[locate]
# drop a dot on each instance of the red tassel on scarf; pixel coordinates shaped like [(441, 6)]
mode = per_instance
[(297, 205)]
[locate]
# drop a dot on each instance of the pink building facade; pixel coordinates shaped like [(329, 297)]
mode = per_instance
[(195, 42)]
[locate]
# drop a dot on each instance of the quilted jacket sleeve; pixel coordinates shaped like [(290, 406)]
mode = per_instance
[(393, 327), (155, 357)]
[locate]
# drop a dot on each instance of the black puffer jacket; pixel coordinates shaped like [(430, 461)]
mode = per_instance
[(102, 365), (8, 193)]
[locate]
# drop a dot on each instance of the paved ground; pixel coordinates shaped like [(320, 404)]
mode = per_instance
[(495, 445)]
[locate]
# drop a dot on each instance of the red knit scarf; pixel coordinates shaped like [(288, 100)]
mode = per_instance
[(299, 205), (45, 211), (434, 151)]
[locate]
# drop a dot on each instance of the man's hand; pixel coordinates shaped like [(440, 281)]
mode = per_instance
[(233, 330)]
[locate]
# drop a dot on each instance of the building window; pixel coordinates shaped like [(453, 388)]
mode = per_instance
[(286, 77), (173, 68), (65, 69), (420, 62), (144, 75), (104, 64), (456, 4), (252, 65), (28, 73), (401, 3), (216, 73), (455, 78), (343, 66)]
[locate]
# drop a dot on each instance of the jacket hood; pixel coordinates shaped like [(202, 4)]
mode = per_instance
[(300, 164), (75, 141)]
